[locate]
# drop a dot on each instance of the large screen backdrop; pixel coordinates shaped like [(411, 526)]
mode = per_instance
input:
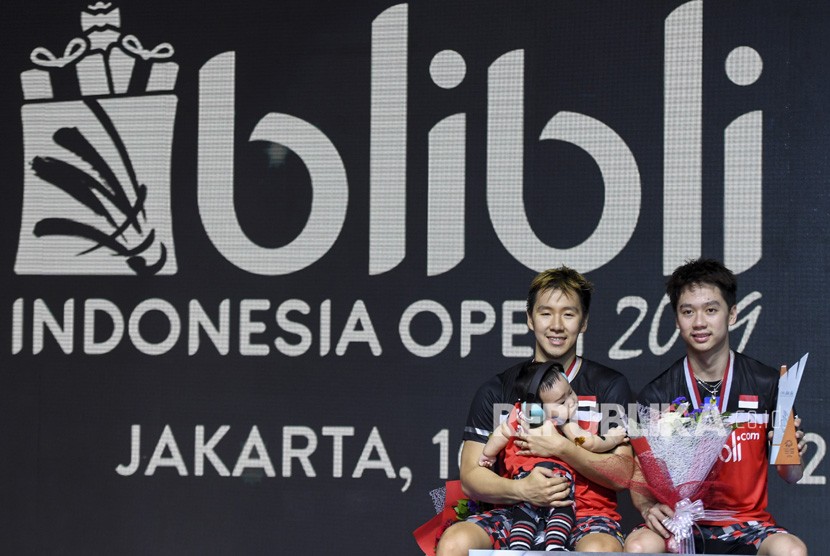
[(257, 257)]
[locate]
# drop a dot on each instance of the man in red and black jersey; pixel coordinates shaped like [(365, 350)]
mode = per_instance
[(703, 296), (557, 312)]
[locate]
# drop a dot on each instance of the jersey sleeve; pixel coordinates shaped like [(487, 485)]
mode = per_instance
[(649, 395), (618, 395), (487, 410), (618, 392), (658, 391)]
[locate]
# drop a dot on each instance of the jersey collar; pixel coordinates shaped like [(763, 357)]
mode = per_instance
[(694, 392), (573, 368)]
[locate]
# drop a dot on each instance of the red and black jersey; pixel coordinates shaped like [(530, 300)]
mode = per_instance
[(749, 393), (515, 464), (594, 384)]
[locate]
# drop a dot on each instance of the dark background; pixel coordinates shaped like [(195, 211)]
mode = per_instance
[(66, 418)]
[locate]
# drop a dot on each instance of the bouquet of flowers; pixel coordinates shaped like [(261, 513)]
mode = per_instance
[(450, 506), (677, 448)]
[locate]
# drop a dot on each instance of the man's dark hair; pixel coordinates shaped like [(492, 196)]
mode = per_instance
[(699, 272), (564, 279)]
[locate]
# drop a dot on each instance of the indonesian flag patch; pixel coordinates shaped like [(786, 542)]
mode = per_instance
[(587, 414), (589, 402), (747, 402)]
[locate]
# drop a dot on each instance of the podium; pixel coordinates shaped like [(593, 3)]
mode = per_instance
[(540, 553)]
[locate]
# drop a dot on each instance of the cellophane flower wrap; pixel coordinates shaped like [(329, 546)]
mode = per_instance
[(677, 449), (451, 506)]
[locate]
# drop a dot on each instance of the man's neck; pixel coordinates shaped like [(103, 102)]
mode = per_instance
[(709, 366), (565, 360)]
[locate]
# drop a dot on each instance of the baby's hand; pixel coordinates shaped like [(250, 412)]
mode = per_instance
[(523, 424), (618, 434), (486, 461)]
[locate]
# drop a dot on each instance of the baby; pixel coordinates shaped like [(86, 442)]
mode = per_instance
[(545, 400)]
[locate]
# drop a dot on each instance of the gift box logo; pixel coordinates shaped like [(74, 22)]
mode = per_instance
[(97, 140)]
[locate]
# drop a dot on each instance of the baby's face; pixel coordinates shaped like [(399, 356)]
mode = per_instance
[(560, 401)]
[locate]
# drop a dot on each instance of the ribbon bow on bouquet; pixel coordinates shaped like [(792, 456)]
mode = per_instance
[(686, 513)]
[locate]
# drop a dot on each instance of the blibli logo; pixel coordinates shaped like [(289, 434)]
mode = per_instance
[(98, 130), (733, 451), (505, 147), (97, 137)]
